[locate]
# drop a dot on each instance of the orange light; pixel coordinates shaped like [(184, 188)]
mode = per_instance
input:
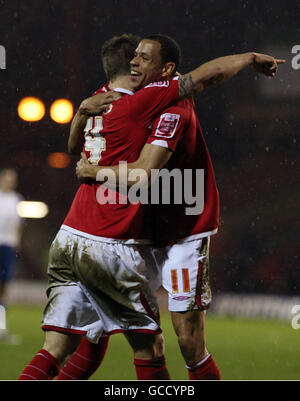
[(61, 111), (31, 109), (58, 160)]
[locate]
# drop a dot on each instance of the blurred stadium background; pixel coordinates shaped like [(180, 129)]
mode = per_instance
[(251, 125)]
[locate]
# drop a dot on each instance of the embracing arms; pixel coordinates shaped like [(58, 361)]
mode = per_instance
[(211, 73), (88, 107), (152, 157), (208, 74)]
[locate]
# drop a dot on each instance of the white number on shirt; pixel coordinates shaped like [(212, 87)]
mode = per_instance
[(95, 143)]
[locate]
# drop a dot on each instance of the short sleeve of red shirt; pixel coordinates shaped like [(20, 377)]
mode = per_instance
[(151, 100), (168, 128)]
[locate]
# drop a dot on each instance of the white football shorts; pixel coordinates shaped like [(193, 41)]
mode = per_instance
[(185, 274), (97, 288)]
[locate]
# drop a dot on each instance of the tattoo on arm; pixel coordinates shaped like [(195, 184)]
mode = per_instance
[(186, 86)]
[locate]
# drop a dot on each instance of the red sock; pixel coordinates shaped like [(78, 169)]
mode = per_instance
[(85, 361), (206, 370), (42, 367), (151, 369)]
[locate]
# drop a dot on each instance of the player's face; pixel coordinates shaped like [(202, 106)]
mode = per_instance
[(146, 66)]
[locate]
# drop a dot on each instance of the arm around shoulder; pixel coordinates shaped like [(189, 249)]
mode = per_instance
[(76, 137)]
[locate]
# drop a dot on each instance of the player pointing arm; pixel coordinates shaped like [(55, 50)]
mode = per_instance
[(208, 74), (211, 73), (221, 69)]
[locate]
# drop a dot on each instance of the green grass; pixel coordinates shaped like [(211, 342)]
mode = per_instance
[(243, 349)]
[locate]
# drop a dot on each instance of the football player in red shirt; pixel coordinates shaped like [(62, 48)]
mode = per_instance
[(187, 237), (159, 96), (120, 296)]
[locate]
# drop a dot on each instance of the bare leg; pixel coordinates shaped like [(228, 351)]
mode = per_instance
[(46, 363), (61, 345), (190, 329), (149, 358), (146, 346)]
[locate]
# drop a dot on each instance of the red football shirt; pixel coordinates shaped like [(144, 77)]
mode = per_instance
[(118, 135), (178, 129)]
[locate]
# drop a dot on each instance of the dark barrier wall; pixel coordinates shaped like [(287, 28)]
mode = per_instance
[(251, 124)]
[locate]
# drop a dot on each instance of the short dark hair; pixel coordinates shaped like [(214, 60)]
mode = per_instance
[(169, 49), (116, 54)]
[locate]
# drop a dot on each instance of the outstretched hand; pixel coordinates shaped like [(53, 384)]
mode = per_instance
[(266, 65)]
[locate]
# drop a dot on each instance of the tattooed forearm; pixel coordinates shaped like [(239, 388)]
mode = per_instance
[(221, 69), (186, 86)]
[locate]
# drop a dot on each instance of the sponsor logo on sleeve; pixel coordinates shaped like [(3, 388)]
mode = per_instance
[(167, 125)]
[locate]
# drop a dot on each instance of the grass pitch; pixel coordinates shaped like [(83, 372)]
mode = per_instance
[(244, 349)]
